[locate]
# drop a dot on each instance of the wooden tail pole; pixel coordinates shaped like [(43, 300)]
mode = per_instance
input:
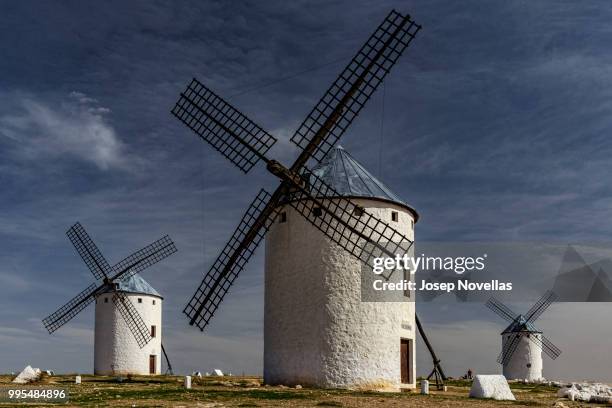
[(169, 366), (437, 371)]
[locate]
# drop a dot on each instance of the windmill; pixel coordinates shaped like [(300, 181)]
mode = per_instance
[(125, 284), (244, 143), (522, 342)]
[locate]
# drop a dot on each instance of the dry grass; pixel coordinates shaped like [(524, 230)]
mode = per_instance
[(165, 391)]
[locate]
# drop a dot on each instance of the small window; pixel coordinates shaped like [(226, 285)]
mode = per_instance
[(528, 365), (407, 277), (412, 223), (105, 300), (317, 212), (283, 217), (153, 331), (139, 300), (358, 211), (394, 216), (153, 301)]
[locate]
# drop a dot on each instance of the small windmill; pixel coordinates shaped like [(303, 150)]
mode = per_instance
[(245, 144), (109, 280), (522, 342)]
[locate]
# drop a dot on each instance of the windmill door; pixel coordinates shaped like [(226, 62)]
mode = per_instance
[(152, 363), (406, 361)]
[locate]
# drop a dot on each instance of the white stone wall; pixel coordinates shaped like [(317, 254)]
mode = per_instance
[(316, 330), (526, 361), (115, 348)]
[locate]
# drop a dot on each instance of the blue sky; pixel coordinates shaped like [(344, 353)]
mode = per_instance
[(496, 127)]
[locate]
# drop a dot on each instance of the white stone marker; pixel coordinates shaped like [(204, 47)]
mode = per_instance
[(491, 386), (188, 382), (424, 387), (77, 379)]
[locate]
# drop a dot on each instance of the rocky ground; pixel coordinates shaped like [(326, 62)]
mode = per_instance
[(167, 391)]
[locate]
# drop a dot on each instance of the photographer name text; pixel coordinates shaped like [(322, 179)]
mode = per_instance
[(459, 285)]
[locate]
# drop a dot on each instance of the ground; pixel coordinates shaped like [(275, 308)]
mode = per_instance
[(168, 391)]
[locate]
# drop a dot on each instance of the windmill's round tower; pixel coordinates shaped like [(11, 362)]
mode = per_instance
[(116, 350), (317, 331), (526, 360)]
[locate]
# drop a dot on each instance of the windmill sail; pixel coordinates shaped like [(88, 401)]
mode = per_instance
[(550, 349), (88, 251), (221, 125), (502, 310), (345, 98), (134, 321), (540, 306), (65, 313), (145, 257), (509, 349), (232, 260)]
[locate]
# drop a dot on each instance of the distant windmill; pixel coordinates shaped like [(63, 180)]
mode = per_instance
[(343, 221), (522, 342), (119, 345)]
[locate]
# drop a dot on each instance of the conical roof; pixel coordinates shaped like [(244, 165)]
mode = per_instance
[(520, 324), (134, 284), (348, 177)]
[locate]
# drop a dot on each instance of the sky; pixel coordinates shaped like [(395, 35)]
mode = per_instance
[(494, 125)]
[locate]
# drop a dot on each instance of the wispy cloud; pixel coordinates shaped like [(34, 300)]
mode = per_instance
[(13, 281), (77, 126)]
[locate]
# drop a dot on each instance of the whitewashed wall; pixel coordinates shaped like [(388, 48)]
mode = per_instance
[(316, 330), (526, 361), (115, 348)]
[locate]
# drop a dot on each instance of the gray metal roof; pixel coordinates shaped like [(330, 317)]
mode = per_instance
[(520, 324), (349, 178), (134, 284)]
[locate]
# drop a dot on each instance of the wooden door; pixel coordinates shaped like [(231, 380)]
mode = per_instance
[(406, 361), (152, 364)]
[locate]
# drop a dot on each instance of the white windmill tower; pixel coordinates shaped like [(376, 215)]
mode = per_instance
[(526, 360), (522, 342), (128, 310), (116, 350), (317, 331)]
